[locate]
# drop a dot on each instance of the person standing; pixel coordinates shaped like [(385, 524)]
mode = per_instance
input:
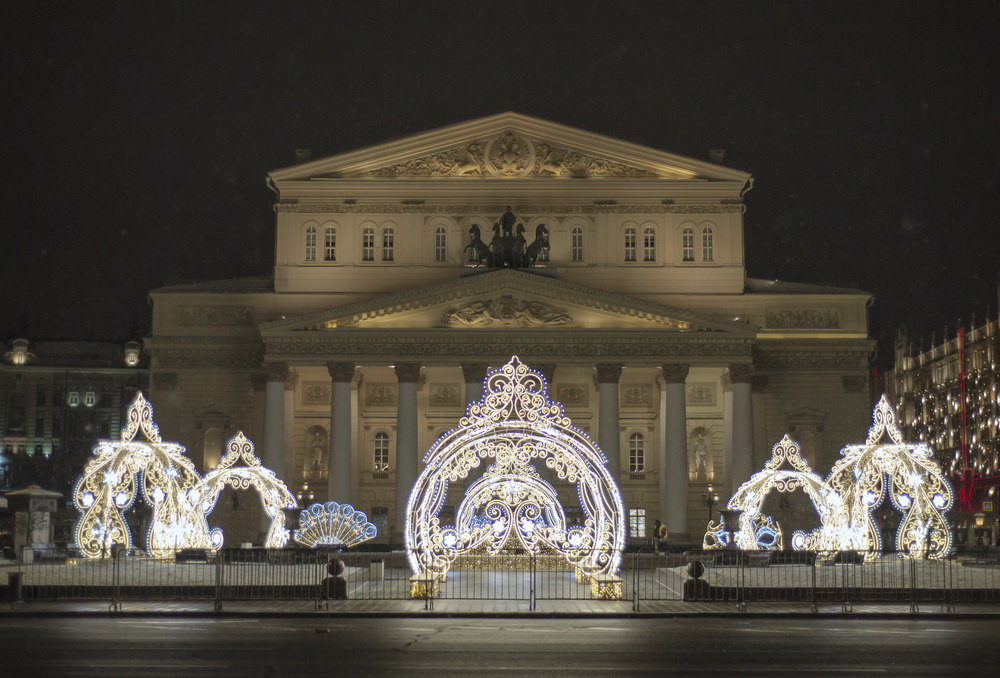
[(659, 537)]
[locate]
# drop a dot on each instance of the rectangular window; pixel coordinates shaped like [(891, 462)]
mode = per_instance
[(380, 518), (368, 245), (630, 244), (440, 245), (388, 245), (330, 245), (74, 399), (576, 245), (89, 398), (381, 452), (311, 244), (687, 245), (649, 245), (637, 523)]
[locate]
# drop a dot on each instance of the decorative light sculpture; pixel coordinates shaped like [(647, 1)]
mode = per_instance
[(181, 499), (907, 472), (274, 495), (118, 471), (333, 524), (515, 424), (785, 471)]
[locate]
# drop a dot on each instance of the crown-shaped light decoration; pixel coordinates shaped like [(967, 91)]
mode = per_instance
[(908, 475), (518, 427), (785, 471), (333, 524)]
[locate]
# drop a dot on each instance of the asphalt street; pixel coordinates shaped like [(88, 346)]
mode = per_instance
[(178, 646)]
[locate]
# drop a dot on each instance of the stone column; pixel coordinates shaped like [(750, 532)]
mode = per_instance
[(474, 374), (408, 374), (274, 417), (674, 462), (341, 450), (608, 435), (287, 471), (741, 377)]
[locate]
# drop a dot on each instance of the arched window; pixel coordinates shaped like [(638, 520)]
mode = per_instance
[(311, 243), (330, 244), (636, 453), (368, 244), (380, 451), (648, 244), (440, 244), (630, 244), (388, 244), (707, 244), (687, 244), (576, 244)]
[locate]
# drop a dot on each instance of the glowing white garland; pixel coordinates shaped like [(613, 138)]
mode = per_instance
[(333, 524), (908, 473), (181, 499), (515, 424)]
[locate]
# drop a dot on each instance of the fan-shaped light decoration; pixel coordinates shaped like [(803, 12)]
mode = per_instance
[(333, 524), (119, 469), (785, 471), (274, 495), (908, 473), (510, 505)]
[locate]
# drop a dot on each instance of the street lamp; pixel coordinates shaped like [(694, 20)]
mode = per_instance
[(710, 499)]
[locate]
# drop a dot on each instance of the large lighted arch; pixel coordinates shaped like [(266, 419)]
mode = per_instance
[(515, 425), (785, 471), (909, 475), (274, 495)]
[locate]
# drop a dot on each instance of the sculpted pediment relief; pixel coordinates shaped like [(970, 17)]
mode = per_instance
[(505, 311), (509, 154)]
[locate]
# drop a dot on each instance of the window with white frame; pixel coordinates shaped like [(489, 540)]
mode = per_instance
[(440, 244), (687, 244), (576, 244), (89, 398), (330, 244), (311, 243), (636, 453), (380, 451), (630, 244), (637, 523), (707, 244), (74, 399), (368, 244), (649, 244), (388, 244)]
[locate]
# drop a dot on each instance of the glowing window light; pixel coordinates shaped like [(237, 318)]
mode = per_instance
[(333, 524), (908, 475), (515, 425), (785, 471)]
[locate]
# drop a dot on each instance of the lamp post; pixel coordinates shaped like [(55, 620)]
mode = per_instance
[(710, 499)]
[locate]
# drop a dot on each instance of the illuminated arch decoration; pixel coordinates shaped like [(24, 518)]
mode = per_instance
[(511, 505), (785, 471), (274, 495), (333, 524), (908, 474), (119, 470)]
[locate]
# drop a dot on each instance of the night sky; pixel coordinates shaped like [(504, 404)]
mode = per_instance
[(137, 136)]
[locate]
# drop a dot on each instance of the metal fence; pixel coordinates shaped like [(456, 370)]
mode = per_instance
[(734, 577)]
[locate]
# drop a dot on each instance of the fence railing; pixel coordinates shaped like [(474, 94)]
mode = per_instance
[(737, 577)]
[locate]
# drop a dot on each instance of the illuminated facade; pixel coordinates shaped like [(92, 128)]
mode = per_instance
[(949, 397), (405, 271)]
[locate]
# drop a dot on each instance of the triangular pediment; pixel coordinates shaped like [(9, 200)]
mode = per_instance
[(507, 298), (504, 146)]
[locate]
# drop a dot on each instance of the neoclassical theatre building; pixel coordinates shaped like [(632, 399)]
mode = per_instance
[(404, 271)]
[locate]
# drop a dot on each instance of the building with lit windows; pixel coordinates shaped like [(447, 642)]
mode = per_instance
[(948, 395), (406, 270)]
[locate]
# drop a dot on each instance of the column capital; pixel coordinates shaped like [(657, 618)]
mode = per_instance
[(276, 371), (675, 373), (407, 373), (292, 381), (741, 373), (474, 373), (340, 371), (608, 374)]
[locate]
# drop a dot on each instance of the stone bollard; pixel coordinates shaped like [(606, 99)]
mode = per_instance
[(335, 586), (696, 588)]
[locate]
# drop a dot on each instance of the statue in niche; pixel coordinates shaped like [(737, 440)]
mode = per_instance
[(699, 449), (317, 450)]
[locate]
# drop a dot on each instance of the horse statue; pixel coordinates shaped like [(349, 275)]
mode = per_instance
[(477, 249), (518, 247), (535, 249)]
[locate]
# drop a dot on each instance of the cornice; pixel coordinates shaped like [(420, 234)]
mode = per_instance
[(525, 209)]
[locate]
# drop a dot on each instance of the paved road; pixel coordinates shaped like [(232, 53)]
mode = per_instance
[(400, 647)]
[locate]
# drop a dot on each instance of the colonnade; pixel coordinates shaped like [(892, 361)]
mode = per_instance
[(672, 451)]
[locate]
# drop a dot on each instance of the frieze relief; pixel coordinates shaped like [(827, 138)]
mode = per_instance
[(214, 316), (576, 395), (809, 318), (380, 395), (701, 393), (316, 393), (508, 155), (444, 395), (636, 395), (505, 311)]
